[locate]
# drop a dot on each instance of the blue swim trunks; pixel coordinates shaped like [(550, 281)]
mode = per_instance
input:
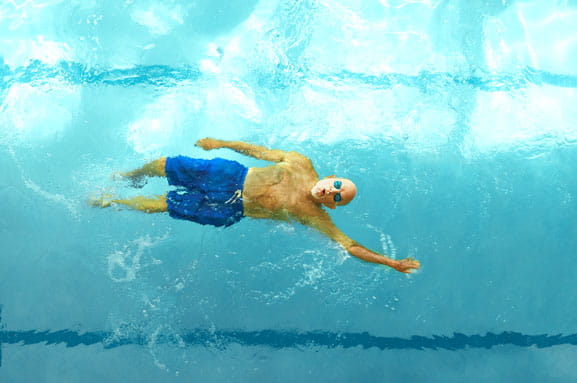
[(208, 192)]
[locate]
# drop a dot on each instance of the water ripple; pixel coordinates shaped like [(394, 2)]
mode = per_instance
[(37, 73)]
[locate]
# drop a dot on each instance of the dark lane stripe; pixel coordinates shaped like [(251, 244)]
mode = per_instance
[(279, 339)]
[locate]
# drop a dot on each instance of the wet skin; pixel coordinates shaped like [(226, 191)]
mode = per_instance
[(287, 190)]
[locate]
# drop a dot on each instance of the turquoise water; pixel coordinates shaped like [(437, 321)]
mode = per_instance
[(456, 119)]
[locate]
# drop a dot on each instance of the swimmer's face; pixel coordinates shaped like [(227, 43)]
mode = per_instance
[(332, 191)]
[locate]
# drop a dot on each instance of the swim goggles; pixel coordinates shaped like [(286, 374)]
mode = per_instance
[(338, 197)]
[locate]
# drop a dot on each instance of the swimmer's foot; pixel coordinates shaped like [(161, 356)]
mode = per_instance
[(407, 265), (105, 200), (137, 181)]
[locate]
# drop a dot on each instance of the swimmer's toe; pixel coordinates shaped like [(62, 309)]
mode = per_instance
[(104, 200), (117, 176), (137, 182)]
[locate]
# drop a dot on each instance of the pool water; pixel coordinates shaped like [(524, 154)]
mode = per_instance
[(455, 118)]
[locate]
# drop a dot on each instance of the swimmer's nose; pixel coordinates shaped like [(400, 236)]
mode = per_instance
[(333, 190)]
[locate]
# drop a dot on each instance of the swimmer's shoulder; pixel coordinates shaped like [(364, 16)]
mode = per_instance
[(297, 158)]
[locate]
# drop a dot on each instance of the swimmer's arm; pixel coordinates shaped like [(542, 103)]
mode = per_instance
[(256, 151), (324, 224)]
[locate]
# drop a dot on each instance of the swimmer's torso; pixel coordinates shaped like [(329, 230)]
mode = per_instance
[(280, 191)]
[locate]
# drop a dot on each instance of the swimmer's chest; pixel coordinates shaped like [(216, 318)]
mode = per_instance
[(274, 191)]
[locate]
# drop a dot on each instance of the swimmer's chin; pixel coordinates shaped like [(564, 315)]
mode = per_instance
[(317, 196)]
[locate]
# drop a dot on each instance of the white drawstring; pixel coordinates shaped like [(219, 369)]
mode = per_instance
[(235, 197)]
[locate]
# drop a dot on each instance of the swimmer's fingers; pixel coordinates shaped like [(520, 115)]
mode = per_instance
[(407, 265), (208, 143)]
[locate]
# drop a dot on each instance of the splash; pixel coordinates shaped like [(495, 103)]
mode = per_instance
[(124, 264), (50, 196), (57, 198), (37, 114)]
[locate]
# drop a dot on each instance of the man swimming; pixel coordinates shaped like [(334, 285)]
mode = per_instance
[(221, 192)]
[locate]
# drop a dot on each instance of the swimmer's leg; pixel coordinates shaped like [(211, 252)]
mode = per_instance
[(155, 204), (138, 176)]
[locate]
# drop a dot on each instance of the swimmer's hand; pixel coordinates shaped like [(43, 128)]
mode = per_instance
[(407, 265), (208, 143)]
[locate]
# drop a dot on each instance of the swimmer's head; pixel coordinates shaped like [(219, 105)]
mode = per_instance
[(333, 192)]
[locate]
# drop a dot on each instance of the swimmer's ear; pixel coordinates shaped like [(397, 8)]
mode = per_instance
[(332, 176)]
